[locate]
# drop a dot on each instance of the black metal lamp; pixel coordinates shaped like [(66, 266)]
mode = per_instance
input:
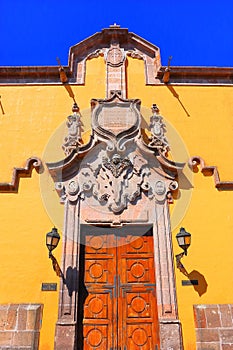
[(52, 240), (183, 239)]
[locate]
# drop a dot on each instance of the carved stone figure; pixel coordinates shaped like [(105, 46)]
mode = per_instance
[(74, 124), (157, 128)]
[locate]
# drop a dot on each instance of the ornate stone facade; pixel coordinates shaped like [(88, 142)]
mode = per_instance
[(118, 180)]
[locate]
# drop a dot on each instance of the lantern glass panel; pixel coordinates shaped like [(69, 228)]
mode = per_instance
[(181, 240), (52, 239), (55, 241), (49, 240)]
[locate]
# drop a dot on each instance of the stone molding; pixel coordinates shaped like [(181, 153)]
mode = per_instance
[(197, 75), (194, 162), (13, 186), (36, 75)]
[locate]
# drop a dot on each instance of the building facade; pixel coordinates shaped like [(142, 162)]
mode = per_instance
[(118, 153)]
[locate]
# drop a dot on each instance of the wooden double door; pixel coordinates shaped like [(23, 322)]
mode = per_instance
[(117, 308)]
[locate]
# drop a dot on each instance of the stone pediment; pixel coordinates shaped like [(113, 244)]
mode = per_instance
[(100, 44)]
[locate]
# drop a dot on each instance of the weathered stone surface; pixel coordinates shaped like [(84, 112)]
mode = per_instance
[(65, 336), (214, 327), (170, 336), (19, 326)]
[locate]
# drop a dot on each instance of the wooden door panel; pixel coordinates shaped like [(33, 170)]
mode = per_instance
[(139, 337), (120, 309), (138, 304), (99, 271), (137, 296), (137, 271), (99, 310), (135, 244), (98, 326), (138, 312), (96, 337), (98, 306), (98, 244)]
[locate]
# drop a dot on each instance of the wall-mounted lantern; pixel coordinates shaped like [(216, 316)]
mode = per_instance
[(52, 240), (184, 241)]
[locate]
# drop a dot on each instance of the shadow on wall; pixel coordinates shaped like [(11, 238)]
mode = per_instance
[(197, 280), (71, 280), (176, 95), (201, 288)]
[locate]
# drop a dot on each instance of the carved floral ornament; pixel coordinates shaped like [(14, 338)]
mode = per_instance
[(116, 167)]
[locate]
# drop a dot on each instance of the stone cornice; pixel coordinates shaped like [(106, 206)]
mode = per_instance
[(178, 75), (197, 75), (132, 45)]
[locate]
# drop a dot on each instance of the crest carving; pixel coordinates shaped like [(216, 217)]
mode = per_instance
[(116, 120), (115, 56), (117, 164), (115, 182)]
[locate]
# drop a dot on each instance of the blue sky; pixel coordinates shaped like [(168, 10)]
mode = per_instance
[(193, 32)]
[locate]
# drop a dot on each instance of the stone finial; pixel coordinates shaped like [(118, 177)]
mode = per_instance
[(114, 25)]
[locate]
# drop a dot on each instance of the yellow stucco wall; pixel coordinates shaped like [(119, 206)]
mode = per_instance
[(199, 123)]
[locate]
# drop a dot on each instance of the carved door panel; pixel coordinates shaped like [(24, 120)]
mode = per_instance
[(97, 308), (138, 318), (119, 309)]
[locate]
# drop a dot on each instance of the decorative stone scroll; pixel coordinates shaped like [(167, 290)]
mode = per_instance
[(210, 171), (13, 186)]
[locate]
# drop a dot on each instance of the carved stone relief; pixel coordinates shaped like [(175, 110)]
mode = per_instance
[(115, 56), (115, 182)]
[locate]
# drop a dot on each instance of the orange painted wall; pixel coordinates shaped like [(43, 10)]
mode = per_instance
[(198, 123)]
